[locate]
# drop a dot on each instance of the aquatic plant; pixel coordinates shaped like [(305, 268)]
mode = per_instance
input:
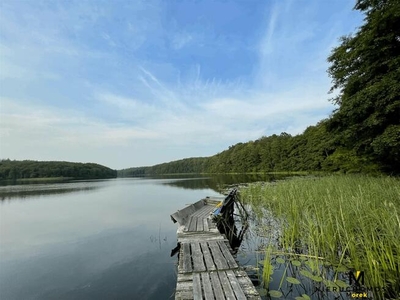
[(345, 222)]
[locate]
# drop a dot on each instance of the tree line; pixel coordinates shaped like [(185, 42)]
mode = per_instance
[(13, 170), (313, 150), (361, 135)]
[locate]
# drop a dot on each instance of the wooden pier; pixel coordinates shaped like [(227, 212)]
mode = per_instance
[(206, 266)]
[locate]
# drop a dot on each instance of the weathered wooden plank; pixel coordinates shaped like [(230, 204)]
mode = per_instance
[(181, 216), (189, 220), (184, 277), (194, 238), (205, 225), (184, 295), (214, 200), (200, 212), (184, 286), (203, 211), (192, 224), (204, 251), (216, 284), (184, 290), (203, 236), (226, 286), (247, 286), (235, 285), (229, 258), (207, 288), (206, 210), (200, 224), (180, 260), (196, 213), (187, 261), (207, 257), (197, 256), (197, 293), (219, 259)]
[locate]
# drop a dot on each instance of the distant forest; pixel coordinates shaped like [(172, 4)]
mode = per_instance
[(314, 150), (361, 135), (13, 170)]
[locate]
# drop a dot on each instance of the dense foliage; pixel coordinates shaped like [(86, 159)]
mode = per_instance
[(313, 150), (362, 135), (365, 68), (188, 165), (12, 170)]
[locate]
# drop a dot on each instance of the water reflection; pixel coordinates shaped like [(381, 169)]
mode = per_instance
[(114, 264), (24, 191), (107, 239), (22, 195), (90, 240), (220, 181)]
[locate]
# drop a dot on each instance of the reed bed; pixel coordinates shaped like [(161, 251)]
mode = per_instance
[(346, 222)]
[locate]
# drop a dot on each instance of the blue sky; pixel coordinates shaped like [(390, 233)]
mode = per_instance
[(133, 83)]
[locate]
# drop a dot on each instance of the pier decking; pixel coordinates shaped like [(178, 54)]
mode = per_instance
[(206, 267)]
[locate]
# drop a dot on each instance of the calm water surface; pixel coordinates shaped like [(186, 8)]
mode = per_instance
[(108, 239)]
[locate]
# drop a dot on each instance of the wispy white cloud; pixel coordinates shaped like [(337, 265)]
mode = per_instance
[(267, 42), (180, 40), (23, 122), (222, 121), (134, 87)]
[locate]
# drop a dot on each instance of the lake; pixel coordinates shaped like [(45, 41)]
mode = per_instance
[(99, 239)]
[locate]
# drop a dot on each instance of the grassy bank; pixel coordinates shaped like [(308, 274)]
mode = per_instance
[(344, 222)]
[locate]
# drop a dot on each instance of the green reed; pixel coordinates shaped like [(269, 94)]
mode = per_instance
[(348, 220)]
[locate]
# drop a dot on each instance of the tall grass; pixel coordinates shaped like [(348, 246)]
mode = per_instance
[(347, 220)]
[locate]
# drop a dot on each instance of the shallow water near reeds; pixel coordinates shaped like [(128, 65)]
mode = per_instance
[(99, 239), (290, 276)]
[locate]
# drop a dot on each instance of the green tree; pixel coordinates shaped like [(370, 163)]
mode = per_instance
[(365, 69)]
